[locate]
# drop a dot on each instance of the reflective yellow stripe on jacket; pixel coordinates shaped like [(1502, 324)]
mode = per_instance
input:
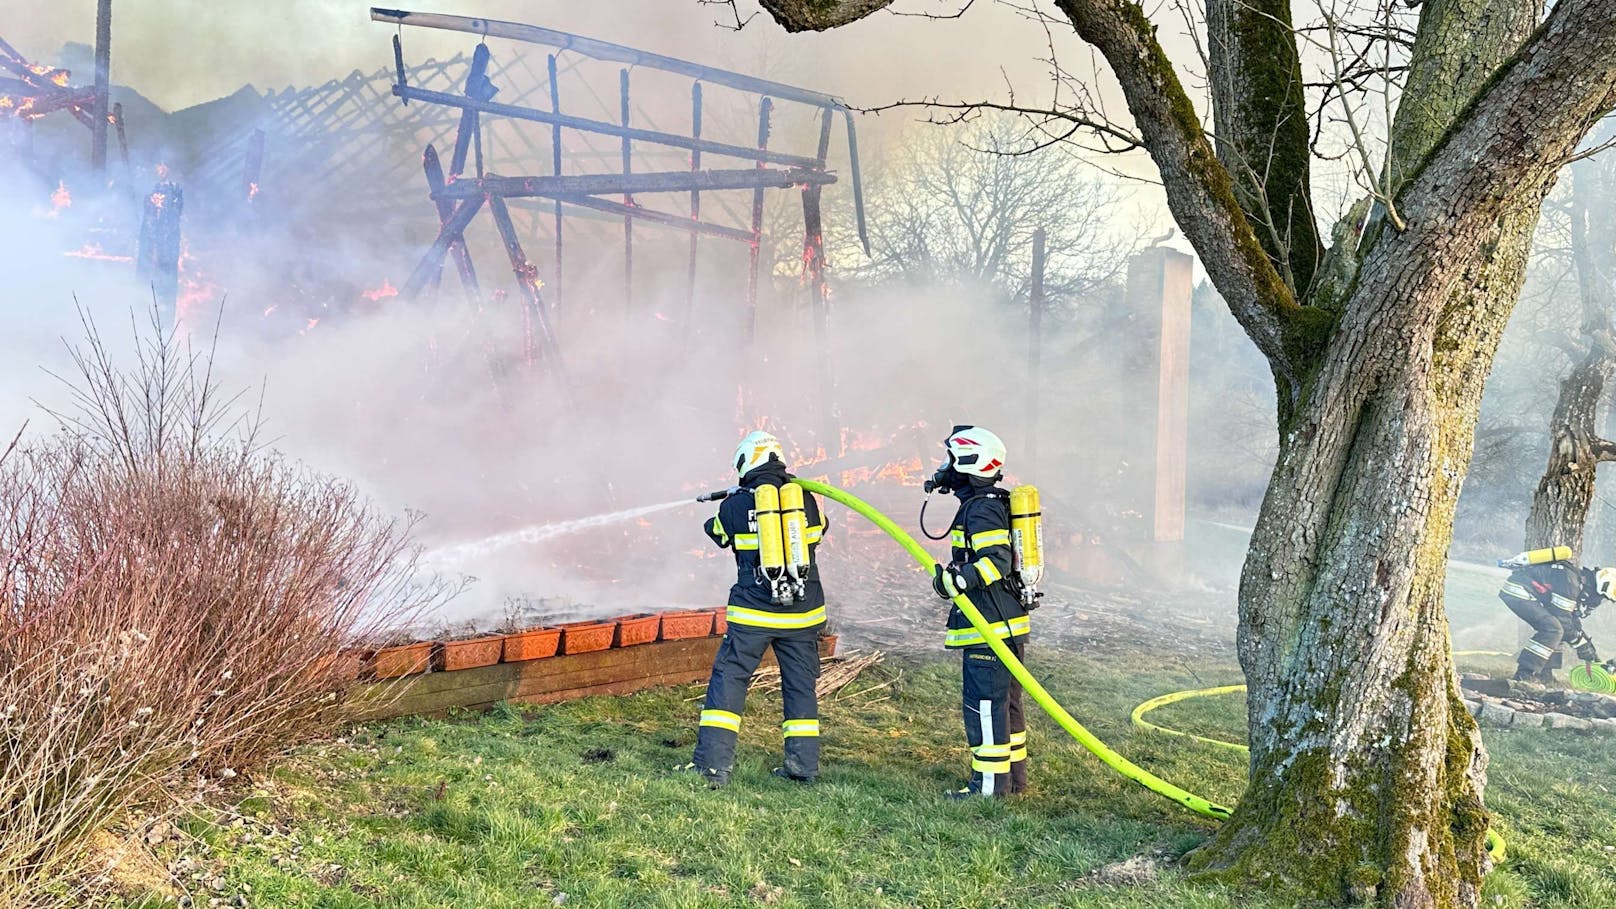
[(981, 541), (964, 637), (762, 618)]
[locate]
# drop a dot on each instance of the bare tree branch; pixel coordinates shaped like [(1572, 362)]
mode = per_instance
[(1200, 191), (734, 11)]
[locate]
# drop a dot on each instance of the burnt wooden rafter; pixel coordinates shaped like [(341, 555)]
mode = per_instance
[(463, 192)]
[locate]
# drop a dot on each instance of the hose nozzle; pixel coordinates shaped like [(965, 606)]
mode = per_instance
[(718, 494)]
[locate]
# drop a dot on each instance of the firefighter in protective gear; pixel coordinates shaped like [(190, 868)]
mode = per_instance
[(980, 567), (1553, 596), (758, 620)]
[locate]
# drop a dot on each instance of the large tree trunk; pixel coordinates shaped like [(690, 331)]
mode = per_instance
[(1342, 611), (1565, 493)]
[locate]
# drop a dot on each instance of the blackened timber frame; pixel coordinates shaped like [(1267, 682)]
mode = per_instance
[(458, 200)]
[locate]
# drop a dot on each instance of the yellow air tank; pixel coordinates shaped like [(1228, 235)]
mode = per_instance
[(1549, 554), (794, 527), (1027, 538), (771, 548)]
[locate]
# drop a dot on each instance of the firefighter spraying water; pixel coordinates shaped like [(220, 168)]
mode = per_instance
[(777, 601)]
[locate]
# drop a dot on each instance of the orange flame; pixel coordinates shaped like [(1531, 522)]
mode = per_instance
[(94, 251), (61, 198), (386, 290)]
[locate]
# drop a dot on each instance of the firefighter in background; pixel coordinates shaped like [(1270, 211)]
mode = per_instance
[(767, 607), (980, 567), (1551, 594)]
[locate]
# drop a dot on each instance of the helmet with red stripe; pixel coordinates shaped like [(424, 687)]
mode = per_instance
[(975, 451)]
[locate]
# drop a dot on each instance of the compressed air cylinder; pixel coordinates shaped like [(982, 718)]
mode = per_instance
[(794, 526), (1549, 554), (1027, 535), (771, 550)]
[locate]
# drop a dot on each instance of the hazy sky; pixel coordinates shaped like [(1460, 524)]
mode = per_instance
[(180, 52)]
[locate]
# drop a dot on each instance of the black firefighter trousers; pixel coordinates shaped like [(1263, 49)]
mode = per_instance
[(797, 652), (995, 726), (1550, 633)]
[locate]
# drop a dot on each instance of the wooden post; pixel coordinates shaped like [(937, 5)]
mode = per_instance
[(1159, 291), (628, 199), (100, 116), (555, 147), (695, 213), (757, 229), (1035, 348), (158, 253)]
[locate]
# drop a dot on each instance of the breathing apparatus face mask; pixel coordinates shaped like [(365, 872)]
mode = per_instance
[(945, 480)]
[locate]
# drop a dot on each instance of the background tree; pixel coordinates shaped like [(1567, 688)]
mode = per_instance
[(1563, 496), (1369, 790), (959, 208)]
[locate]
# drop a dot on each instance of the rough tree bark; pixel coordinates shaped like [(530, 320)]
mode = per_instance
[(1262, 128), (1565, 493), (1366, 772)]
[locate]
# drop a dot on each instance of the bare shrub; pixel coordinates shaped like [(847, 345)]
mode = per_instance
[(172, 599)]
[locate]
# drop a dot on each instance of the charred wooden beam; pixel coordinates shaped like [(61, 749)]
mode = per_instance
[(450, 231), (555, 147), (642, 213), (628, 200), (602, 50), (157, 259), (695, 213), (101, 112), (613, 184), (477, 77), (123, 138), (527, 278), (655, 137), (398, 65), (457, 246), (858, 181)]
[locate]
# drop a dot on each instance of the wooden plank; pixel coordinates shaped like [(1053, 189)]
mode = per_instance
[(602, 50), (603, 127), (650, 182)]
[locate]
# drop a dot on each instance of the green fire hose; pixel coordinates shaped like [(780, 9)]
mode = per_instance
[(1029, 684), (1128, 769), (1495, 843)]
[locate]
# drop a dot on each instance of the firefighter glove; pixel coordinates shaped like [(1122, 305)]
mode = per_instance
[(951, 581), (1585, 650)]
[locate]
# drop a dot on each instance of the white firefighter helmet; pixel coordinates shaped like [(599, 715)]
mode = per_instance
[(1605, 582), (975, 451), (755, 450)]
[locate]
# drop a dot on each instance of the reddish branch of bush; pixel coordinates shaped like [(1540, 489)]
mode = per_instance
[(171, 599)]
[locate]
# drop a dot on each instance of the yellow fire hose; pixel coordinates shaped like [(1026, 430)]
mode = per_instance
[(1044, 699), (1029, 684), (1495, 843)]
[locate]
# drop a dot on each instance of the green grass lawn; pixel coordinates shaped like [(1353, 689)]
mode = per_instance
[(524, 805)]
